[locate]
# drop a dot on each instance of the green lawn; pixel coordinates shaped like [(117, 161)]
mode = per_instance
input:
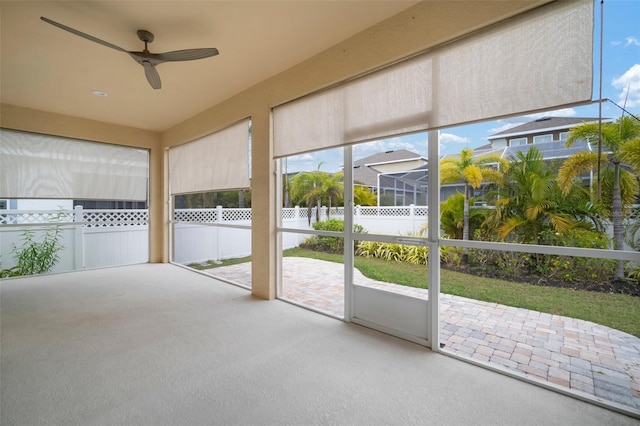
[(613, 310), (212, 264)]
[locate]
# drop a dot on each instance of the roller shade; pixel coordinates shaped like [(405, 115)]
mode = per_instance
[(218, 161), (538, 60), (49, 167)]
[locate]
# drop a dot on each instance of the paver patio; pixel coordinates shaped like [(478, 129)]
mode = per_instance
[(586, 357)]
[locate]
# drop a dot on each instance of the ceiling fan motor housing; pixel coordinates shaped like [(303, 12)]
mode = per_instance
[(145, 36)]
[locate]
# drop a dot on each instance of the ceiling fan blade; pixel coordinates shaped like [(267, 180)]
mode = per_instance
[(81, 34), (185, 55), (152, 75)]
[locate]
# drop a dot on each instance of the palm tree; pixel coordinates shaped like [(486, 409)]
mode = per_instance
[(531, 202), (333, 188), (316, 187), (619, 186), (452, 216), (472, 172)]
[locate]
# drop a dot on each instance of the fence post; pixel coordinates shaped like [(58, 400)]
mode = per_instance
[(356, 215), (219, 214), (78, 246), (297, 216), (412, 218), (217, 231)]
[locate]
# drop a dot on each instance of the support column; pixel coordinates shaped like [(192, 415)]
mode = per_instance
[(263, 209), (158, 207)]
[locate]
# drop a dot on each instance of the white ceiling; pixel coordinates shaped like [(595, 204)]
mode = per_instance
[(46, 68)]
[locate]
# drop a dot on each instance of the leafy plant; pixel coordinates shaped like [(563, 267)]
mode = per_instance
[(36, 257), (415, 255), (452, 217), (531, 202)]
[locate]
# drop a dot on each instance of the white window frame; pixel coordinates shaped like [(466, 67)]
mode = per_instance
[(543, 138)]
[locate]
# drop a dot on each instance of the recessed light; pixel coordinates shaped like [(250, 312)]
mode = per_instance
[(99, 93)]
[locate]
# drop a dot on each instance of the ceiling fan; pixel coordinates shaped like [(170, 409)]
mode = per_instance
[(145, 58)]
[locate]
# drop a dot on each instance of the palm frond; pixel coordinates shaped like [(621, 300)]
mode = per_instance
[(574, 166), (509, 225), (473, 175), (561, 223), (629, 154)]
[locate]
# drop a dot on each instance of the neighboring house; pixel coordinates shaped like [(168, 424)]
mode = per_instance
[(398, 178), (548, 134), (540, 131)]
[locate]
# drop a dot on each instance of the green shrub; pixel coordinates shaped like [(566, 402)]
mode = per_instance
[(547, 266), (572, 269), (451, 255), (329, 244)]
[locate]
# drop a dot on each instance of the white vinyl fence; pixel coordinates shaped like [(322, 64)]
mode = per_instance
[(99, 238), (90, 238), (206, 234)]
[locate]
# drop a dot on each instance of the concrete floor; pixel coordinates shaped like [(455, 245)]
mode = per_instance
[(157, 344), (590, 360)]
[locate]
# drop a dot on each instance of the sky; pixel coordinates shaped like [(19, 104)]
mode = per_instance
[(620, 84)]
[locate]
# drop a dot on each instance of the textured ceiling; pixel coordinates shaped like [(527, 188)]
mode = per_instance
[(46, 68)]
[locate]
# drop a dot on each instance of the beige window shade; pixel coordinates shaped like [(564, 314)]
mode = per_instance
[(218, 161), (538, 60), (42, 166)]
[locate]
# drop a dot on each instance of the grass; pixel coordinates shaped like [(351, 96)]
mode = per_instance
[(617, 311), (209, 264)]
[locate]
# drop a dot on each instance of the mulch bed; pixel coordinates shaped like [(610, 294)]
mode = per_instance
[(614, 286)]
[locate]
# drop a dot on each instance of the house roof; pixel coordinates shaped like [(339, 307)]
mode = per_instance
[(364, 168), (387, 157), (545, 123)]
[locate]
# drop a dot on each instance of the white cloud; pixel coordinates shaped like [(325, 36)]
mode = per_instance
[(504, 126), (302, 157), (451, 138), (508, 123), (632, 41), (413, 143), (616, 43), (629, 86)]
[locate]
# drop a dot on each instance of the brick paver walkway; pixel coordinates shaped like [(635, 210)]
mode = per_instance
[(580, 355)]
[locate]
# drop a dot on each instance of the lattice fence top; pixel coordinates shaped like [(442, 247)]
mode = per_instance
[(289, 214), (421, 211), (385, 211), (93, 218), (196, 215), (90, 218), (304, 212), (16, 217), (96, 218), (235, 215)]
